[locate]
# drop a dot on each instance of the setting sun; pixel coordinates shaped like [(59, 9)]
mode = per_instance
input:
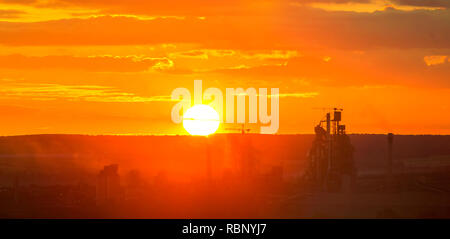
[(201, 120)]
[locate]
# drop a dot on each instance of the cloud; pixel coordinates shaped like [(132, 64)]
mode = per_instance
[(6, 13), (158, 8), (92, 93), (216, 60), (203, 54), (104, 63), (434, 60), (271, 55), (298, 95), (423, 3), (236, 55), (339, 30), (291, 95), (192, 54), (333, 1), (19, 1), (390, 28)]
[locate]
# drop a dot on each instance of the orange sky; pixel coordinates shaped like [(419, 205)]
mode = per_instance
[(109, 66)]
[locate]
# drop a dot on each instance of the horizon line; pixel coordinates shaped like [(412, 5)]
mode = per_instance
[(288, 134)]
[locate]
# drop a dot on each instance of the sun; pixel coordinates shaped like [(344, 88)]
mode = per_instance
[(201, 120)]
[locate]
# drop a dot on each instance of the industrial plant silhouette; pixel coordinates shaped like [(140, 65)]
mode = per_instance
[(239, 175)]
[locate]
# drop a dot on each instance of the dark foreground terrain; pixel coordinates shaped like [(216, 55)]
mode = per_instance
[(248, 176)]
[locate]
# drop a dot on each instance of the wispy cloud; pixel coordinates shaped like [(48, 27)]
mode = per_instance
[(290, 95), (8, 13), (249, 55), (435, 60), (93, 93), (95, 63), (272, 55), (298, 95)]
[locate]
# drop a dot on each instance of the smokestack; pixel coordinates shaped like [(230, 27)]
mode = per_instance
[(328, 123)]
